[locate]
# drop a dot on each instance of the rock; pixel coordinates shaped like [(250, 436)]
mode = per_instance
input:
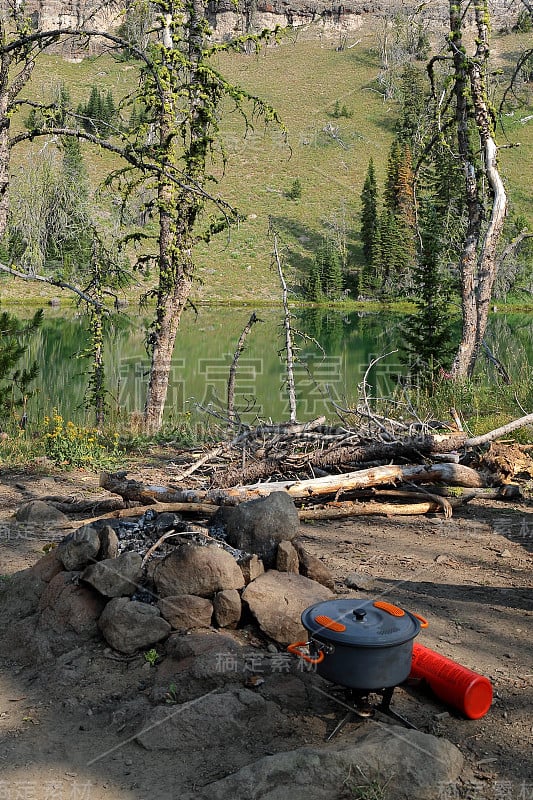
[(228, 608), (416, 765), (115, 577), (166, 520), (20, 595), (192, 569), (65, 606), (55, 302), (186, 611), (197, 644), (313, 568), (108, 542), (42, 515), (48, 566), (287, 691), (128, 625), (199, 662), (358, 580), (511, 491), (258, 526), (214, 720), (277, 599), (80, 548), (287, 558), (252, 567)]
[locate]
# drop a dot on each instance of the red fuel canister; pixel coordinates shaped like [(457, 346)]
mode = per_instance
[(459, 686)]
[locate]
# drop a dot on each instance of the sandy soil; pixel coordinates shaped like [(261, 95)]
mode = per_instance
[(66, 728)]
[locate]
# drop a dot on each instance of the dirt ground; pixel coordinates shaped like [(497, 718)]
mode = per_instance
[(67, 728)]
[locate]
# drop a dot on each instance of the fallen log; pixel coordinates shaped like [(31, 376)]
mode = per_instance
[(148, 494), (451, 474), (70, 506), (349, 509), (199, 509), (509, 491)]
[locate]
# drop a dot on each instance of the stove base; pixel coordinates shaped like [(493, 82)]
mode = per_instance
[(360, 708)]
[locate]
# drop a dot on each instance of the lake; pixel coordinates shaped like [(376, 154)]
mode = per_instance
[(204, 351)]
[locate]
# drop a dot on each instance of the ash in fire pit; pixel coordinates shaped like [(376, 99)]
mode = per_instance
[(141, 534), (167, 530)]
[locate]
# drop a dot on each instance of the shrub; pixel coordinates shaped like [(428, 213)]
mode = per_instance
[(295, 191), (70, 445)]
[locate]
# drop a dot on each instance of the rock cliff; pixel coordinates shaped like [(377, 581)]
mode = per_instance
[(229, 19)]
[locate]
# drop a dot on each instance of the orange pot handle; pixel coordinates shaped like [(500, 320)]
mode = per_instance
[(422, 619), (396, 611), (294, 648)]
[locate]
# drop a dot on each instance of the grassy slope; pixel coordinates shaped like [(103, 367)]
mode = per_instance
[(302, 78)]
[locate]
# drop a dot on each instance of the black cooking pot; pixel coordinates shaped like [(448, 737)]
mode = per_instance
[(360, 644)]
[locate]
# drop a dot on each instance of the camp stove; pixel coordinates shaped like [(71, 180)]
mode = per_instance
[(360, 708)]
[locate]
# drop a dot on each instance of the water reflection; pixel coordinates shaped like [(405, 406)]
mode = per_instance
[(204, 351)]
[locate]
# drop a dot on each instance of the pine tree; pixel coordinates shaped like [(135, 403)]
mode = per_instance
[(14, 381), (406, 211), (92, 110), (330, 270), (405, 199), (390, 195), (69, 240), (399, 221), (389, 241), (409, 128), (63, 105), (369, 212), (427, 333), (110, 109), (313, 285), (372, 272)]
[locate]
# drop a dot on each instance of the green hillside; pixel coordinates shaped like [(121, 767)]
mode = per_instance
[(302, 77)]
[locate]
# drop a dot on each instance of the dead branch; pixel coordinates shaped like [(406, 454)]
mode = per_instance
[(233, 368), (200, 462), (60, 284), (474, 441), (159, 542)]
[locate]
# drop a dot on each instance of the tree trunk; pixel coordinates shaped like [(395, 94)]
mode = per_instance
[(478, 259), (468, 259), (5, 150), (162, 350), (175, 283), (178, 208), (488, 264)]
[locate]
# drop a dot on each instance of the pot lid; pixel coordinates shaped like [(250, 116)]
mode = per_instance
[(361, 623)]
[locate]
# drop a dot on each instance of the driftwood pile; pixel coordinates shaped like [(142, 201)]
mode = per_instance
[(383, 467)]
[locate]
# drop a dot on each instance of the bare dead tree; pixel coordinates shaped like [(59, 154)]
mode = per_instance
[(289, 348), (233, 367)]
